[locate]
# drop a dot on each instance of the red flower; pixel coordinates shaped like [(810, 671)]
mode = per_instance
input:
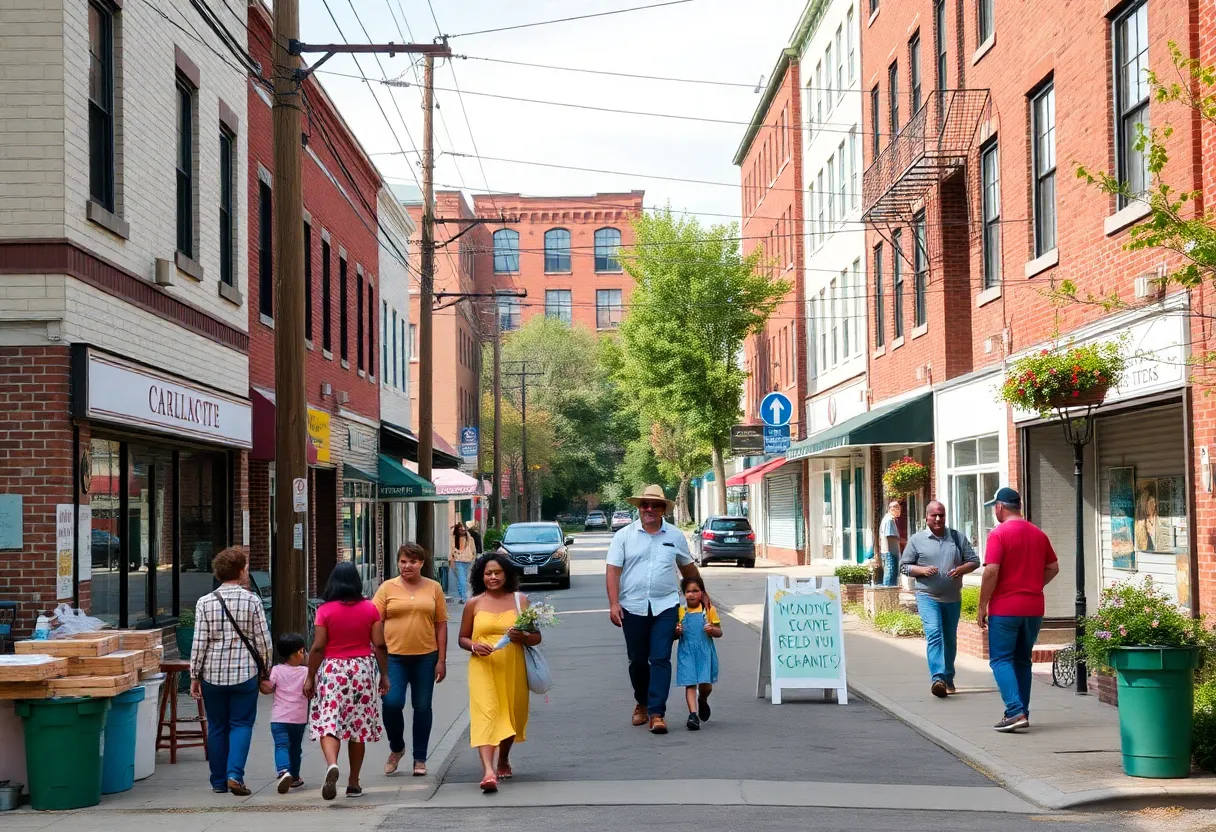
[(1044, 352), (1053, 371), (1075, 394), (1021, 391)]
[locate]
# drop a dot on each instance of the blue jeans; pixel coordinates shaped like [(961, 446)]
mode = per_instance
[(648, 642), (1011, 641), (890, 569), (418, 674), (231, 711), (462, 579), (288, 738), (940, 620)]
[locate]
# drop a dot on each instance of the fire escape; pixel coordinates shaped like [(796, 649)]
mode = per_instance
[(936, 142)]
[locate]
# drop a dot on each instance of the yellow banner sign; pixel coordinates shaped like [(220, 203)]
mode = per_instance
[(318, 433)]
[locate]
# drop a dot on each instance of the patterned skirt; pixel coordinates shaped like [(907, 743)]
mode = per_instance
[(347, 702)]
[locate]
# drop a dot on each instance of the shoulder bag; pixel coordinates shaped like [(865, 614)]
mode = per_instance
[(540, 678), (257, 657)]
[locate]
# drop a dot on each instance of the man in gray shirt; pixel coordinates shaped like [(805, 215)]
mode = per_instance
[(938, 558)]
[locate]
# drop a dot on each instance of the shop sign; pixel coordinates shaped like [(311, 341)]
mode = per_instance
[(746, 440), (836, 407), (318, 433), (84, 543), (469, 443), (776, 439), (802, 643), (65, 536), (11, 528), (1157, 350), (111, 390), (360, 440)]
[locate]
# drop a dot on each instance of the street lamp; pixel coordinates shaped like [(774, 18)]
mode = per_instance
[(1079, 431)]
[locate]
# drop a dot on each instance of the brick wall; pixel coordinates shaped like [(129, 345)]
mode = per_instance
[(36, 463)]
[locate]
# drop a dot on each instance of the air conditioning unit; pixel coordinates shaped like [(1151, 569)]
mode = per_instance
[(327, 390), (1150, 287), (343, 397), (165, 270)]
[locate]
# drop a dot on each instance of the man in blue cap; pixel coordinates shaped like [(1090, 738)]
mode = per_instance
[(1019, 562)]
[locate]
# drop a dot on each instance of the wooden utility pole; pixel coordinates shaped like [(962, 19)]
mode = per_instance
[(291, 416), (523, 374), (426, 414), (497, 482)]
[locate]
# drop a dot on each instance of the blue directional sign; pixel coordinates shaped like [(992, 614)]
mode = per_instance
[(776, 439), (776, 410), (469, 444)]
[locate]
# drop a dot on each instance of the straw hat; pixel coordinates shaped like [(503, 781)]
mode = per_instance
[(652, 492)]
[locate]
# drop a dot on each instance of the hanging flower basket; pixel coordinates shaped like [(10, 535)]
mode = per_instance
[(905, 476), (1068, 377)]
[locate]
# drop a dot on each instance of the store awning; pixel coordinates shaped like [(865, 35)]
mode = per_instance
[(400, 483), (350, 472), (906, 423), (748, 476), (264, 428), (450, 482), (401, 442)]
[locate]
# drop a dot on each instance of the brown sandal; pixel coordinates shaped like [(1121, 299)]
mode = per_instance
[(419, 768), (394, 759)]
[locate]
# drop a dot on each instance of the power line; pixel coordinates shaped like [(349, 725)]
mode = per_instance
[(606, 72), (568, 19)]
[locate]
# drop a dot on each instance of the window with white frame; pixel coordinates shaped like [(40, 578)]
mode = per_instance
[(973, 474), (848, 25), (839, 63), (832, 310), (1132, 92), (859, 304), (843, 312), (819, 93), (842, 182), (822, 319), (854, 162), (831, 195), (827, 77), (819, 206)]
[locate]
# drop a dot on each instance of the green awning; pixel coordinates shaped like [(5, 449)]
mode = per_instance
[(350, 472), (400, 483), (909, 422)]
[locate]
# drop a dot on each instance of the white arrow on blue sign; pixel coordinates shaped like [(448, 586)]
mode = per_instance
[(776, 410)]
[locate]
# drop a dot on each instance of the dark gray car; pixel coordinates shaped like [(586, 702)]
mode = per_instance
[(726, 539), (539, 551)]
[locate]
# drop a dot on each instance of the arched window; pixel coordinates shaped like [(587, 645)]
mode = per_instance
[(506, 251), (607, 246), (557, 250)]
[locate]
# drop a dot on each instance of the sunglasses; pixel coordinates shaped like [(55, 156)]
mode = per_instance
[(653, 506)]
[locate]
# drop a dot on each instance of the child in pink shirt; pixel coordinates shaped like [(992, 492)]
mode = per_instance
[(289, 716)]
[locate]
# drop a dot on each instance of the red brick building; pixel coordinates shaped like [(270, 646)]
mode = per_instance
[(563, 252), (975, 214), (342, 328), (770, 162)]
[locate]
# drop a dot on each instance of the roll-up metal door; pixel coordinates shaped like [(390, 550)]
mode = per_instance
[(1150, 442), (781, 510)]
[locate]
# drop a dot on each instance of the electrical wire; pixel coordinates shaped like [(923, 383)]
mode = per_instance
[(568, 19), (605, 72)]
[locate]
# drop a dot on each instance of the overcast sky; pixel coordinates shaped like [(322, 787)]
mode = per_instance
[(734, 41)]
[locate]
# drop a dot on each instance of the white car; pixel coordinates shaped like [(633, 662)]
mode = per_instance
[(620, 520)]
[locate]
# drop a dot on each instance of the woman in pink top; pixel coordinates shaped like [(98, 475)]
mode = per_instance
[(346, 706)]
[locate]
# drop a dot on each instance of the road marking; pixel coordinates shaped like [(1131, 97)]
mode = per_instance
[(579, 612), (737, 793)]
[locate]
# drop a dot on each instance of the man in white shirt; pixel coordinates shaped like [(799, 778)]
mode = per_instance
[(888, 544), (645, 561)]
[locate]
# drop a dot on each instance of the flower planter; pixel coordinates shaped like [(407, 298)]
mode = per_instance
[(880, 598), (185, 643), (852, 593), (1084, 398), (1156, 704)]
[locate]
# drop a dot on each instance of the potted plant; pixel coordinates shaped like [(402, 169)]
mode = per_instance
[(1154, 648), (1068, 377), (185, 632), (905, 476)]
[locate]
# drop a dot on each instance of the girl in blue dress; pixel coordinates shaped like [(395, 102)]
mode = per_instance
[(697, 658)]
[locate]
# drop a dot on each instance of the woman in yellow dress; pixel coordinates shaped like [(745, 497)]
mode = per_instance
[(498, 680)]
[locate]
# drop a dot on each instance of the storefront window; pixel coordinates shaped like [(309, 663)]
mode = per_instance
[(203, 495), (149, 496), (358, 530), (104, 537), (973, 477)]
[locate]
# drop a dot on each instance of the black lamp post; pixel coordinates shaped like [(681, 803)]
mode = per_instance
[(1079, 431)]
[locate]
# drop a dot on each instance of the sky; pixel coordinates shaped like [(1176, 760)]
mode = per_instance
[(735, 41)]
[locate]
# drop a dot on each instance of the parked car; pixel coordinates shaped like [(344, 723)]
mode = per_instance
[(104, 548), (539, 551), (726, 539), (621, 519), (595, 520)]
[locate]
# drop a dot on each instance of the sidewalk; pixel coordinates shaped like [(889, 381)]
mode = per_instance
[(1070, 758)]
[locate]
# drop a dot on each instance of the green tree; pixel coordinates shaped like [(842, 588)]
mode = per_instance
[(695, 301), (680, 456)]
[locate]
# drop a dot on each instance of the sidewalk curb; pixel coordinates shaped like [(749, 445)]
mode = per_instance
[(1184, 793), (445, 752)]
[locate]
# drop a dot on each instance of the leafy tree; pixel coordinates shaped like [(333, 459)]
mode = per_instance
[(681, 456), (695, 301)]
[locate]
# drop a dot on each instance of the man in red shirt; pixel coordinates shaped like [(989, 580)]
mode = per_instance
[(1019, 562)]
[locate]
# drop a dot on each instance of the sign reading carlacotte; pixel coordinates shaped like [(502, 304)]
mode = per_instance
[(183, 406)]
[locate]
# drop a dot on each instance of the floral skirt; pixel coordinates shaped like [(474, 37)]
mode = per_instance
[(347, 701)]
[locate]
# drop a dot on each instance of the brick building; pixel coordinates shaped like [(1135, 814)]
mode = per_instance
[(124, 411), (563, 252), (972, 222), (770, 158), (342, 327)]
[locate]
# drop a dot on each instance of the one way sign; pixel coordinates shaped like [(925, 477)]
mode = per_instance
[(776, 410)]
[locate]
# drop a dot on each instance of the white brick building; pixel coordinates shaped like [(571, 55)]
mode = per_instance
[(396, 230)]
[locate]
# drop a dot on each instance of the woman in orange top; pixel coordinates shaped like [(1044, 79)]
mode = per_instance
[(415, 616)]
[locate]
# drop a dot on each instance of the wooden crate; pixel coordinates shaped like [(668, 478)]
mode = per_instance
[(97, 645), (31, 668), (140, 639), (112, 664), (151, 659), (24, 690), (93, 685)]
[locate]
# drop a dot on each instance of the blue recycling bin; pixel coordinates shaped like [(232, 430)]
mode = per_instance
[(118, 760)]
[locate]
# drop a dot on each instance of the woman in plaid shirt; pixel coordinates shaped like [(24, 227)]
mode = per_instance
[(224, 672)]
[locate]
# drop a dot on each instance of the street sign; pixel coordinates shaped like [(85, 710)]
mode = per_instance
[(776, 409), (469, 442), (746, 439), (299, 495), (776, 439)]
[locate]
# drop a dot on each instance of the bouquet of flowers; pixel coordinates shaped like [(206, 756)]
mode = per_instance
[(531, 619)]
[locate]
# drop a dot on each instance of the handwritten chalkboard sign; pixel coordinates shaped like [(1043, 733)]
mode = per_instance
[(802, 641)]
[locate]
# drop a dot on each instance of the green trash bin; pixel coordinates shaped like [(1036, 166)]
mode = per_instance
[(63, 750), (1156, 709)]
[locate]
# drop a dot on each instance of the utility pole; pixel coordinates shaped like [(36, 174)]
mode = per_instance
[(523, 374), (291, 418), (426, 393), (497, 506)]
